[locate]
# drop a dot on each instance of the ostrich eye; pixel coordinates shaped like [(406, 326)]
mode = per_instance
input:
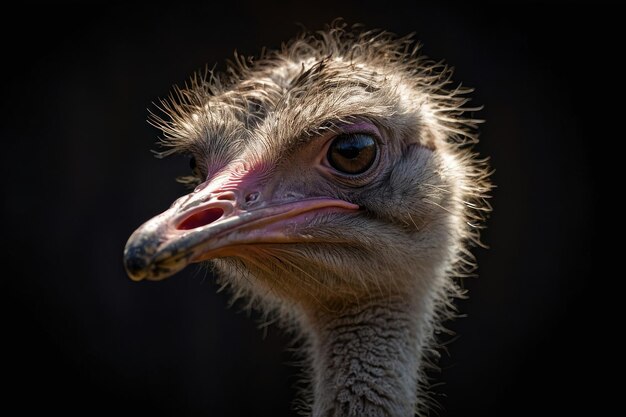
[(352, 153), (193, 164)]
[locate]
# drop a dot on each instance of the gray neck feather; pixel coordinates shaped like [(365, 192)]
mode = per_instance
[(366, 359)]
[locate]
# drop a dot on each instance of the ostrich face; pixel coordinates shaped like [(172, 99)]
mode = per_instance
[(318, 176)]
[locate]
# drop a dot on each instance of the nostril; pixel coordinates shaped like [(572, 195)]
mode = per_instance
[(201, 218)]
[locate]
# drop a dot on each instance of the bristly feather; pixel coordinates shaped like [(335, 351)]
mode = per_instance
[(226, 108), (318, 81)]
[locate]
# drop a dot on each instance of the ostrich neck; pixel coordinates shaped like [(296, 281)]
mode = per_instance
[(366, 358)]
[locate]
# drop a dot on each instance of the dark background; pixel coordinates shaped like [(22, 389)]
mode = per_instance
[(80, 337)]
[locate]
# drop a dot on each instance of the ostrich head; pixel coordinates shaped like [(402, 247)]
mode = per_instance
[(336, 187)]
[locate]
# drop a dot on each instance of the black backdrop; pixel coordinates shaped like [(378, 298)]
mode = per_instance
[(79, 337)]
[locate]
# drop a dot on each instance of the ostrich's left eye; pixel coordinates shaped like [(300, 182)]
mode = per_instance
[(192, 163), (352, 153)]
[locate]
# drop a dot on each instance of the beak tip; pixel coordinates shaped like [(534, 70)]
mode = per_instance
[(136, 267), (135, 277)]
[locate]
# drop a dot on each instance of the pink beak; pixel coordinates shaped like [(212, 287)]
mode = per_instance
[(212, 222)]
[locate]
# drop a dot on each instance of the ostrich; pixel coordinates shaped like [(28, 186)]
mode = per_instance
[(336, 189)]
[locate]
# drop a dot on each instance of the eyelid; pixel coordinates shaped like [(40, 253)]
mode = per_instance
[(365, 127)]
